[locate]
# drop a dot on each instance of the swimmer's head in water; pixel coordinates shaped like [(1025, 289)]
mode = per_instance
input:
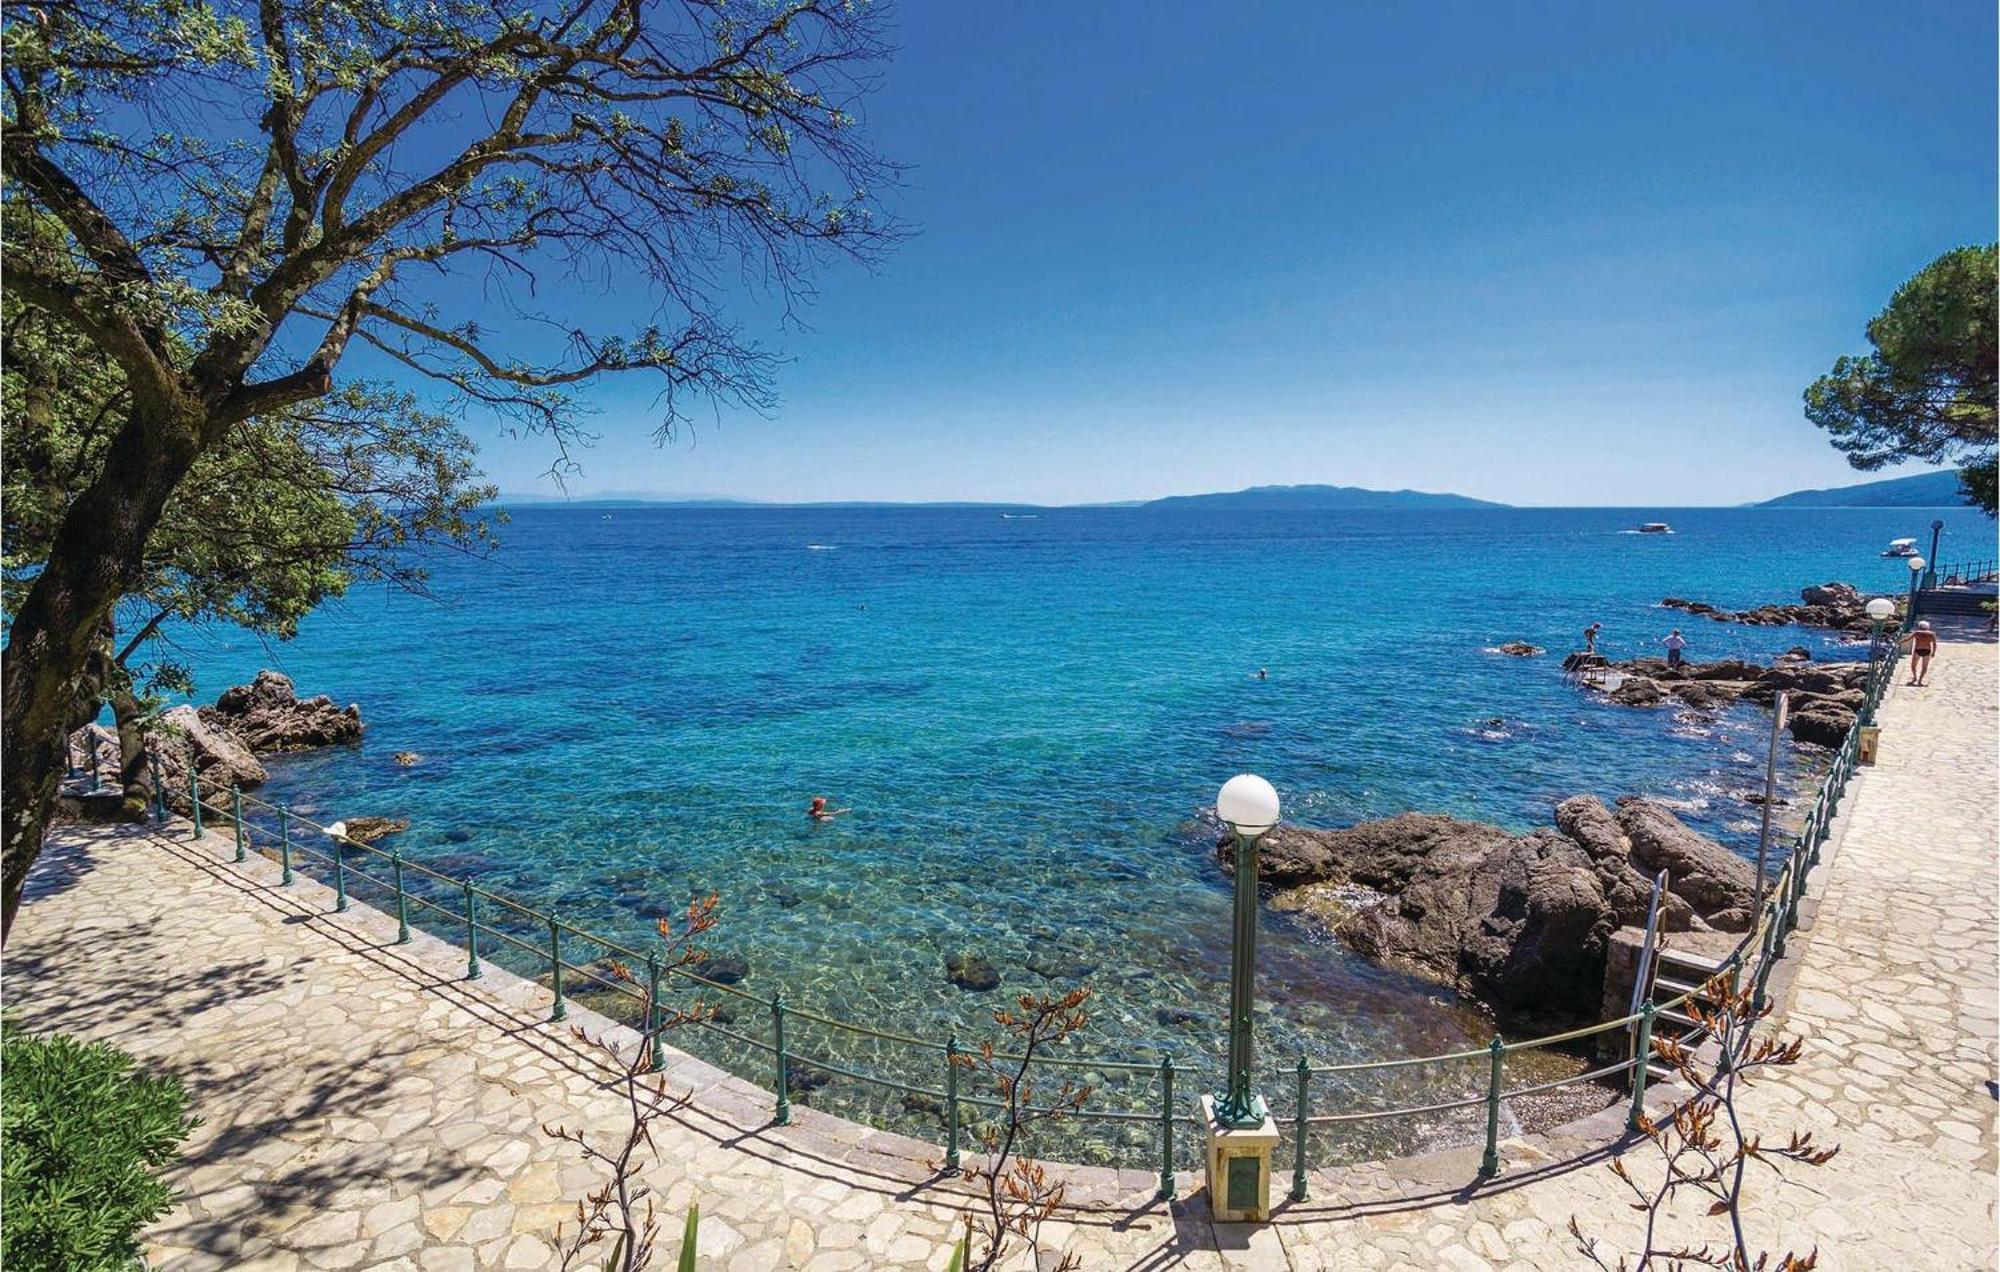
[(819, 802)]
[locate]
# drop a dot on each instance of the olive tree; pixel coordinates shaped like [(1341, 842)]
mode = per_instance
[(240, 197)]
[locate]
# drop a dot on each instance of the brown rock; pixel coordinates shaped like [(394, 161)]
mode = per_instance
[(219, 756), (1712, 879), (268, 715)]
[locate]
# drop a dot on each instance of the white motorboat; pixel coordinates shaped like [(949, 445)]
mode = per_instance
[(1655, 527), (1900, 548)]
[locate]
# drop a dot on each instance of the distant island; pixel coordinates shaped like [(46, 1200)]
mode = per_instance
[(1315, 499), (1255, 499), (1925, 490)]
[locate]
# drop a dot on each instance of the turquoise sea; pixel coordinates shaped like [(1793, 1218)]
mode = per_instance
[(1026, 713)]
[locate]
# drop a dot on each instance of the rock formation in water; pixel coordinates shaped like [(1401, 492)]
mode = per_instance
[(183, 736), (366, 830), (1520, 649), (1824, 696), (222, 742), (1840, 606), (269, 715), (1519, 921)]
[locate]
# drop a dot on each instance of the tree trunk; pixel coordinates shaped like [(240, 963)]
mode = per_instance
[(133, 773), (48, 667)]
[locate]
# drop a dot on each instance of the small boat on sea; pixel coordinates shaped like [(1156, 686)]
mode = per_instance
[(1900, 548), (1655, 527)]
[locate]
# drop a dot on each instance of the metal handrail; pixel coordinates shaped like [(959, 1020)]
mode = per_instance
[(1753, 955)]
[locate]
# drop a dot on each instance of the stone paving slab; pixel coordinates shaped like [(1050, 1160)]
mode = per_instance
[(365, 1106)]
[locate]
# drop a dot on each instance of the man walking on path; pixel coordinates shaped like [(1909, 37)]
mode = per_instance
[(1923, 646)]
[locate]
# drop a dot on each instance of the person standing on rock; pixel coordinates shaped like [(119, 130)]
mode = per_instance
[(1923, 646), (1590, 637), (1675, 643)]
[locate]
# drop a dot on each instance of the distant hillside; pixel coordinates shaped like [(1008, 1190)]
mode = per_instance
[(1317, 499), (1925, 490)]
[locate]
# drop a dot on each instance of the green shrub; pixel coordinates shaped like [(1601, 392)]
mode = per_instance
[(82, 1132)]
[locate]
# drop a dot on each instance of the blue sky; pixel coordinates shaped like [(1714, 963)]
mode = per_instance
[(1543, 254)]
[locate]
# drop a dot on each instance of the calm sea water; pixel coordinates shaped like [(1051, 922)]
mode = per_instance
[(622, 709)]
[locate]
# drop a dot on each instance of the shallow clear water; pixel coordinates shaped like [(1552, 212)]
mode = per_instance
[(623, 709)]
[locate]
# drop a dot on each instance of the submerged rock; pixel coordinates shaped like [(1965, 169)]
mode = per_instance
[(1520, 921), (723, 969), (268, 715), (1520, 649), (407, 758), (366, 830), (971, 972)]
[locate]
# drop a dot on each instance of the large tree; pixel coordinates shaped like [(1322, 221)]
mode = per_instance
[(1927, 391), (248, 193), (288, 511)]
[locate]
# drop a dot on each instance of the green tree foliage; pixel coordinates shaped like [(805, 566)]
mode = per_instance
[(83, 1135), (227, 198), (288, 511), (1927, 392)]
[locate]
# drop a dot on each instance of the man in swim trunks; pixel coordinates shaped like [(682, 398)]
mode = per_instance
[(1590, 637), (1923, 646)]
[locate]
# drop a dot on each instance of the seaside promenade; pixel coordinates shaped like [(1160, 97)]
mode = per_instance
[(363, 1106)]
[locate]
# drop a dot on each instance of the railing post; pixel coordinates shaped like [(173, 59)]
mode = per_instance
[(402, 901), (555, 968), (1489, 1164), (339, 875), (194, 793), (1166, 1191), (1781, 922), (236, 809), (471, 936), (96, 761), (284, 845), (951, 1103), (1764, 959), (1642, 1056), (783, 1115), (1303, 1109), (159, 786), (653, 1030)]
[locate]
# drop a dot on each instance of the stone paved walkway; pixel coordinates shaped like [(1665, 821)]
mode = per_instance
[(365, 1107)]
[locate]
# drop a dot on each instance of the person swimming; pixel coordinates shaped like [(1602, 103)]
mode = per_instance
[(818, 811)]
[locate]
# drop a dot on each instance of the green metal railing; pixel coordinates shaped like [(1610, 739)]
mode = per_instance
[(541, 938), (1985, 571)]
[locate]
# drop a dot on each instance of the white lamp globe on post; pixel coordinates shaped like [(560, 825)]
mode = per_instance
[(1241, 1133), (1248, 805), (1917, 567), (1878, 611)]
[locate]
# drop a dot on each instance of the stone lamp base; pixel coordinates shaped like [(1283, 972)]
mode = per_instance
[(1239, 1168)]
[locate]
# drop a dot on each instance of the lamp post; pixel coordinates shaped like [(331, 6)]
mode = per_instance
[(1241, 1132), (1917, 565), (1249, 807), (1878, 611), (1937, 528)]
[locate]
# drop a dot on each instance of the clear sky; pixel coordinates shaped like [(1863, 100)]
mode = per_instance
[(1577, 254)]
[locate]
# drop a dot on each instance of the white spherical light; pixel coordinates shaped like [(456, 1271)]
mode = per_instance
[(1880, 608), (1917, 563), (1247, 804)]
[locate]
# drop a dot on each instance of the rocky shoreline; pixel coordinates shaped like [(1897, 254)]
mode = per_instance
[(222, 743), (1824, 696), (1519, 922), (1839, 606)]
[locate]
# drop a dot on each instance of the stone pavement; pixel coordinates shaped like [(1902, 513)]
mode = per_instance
[(364, 1106)]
